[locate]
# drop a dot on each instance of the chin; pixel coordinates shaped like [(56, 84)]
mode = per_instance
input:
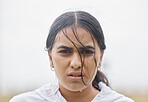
[(75, 87)]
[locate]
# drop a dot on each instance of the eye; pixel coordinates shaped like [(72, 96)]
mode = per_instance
[(64, 51), (87, 52)]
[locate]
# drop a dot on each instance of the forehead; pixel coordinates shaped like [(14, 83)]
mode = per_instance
[(76, 35)]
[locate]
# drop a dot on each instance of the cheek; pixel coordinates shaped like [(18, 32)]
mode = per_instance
[(60, 62), (91, 66), (91, 62), (60, 65)]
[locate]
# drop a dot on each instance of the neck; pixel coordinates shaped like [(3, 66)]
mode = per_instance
[(86, 95)]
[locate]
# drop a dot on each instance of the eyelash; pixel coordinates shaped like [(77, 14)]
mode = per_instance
[(82, 52), (65, 51), (87, 52)]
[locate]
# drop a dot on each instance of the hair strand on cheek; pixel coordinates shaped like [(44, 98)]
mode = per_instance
[(82, 59)]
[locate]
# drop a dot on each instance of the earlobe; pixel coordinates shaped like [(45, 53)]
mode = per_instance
[(100, 62), (50, 58)]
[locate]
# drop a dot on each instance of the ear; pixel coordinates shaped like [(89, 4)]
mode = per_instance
[(50, 59), (100, 62)]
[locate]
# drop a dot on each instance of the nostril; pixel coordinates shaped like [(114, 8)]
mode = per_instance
[(74, 66)]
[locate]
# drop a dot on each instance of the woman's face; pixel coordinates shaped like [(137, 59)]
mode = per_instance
[(66, 60)]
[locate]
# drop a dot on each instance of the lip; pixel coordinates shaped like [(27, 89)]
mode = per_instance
[(75, 78)]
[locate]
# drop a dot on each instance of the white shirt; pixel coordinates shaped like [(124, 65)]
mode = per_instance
[(51, 93)]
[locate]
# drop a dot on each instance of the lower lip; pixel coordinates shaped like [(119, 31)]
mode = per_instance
[(74, 77)]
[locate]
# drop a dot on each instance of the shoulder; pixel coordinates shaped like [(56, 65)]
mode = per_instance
[(108, 95), (26, 97), (43, 94)]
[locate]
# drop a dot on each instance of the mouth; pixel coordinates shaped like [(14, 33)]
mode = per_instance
[(75, 75)]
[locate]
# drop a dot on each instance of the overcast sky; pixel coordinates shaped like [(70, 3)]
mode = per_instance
[(24, 26)]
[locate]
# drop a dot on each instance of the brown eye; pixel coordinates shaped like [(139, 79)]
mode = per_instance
[(64, 51), (87, 52)]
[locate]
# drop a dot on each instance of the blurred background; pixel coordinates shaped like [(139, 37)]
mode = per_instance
[(24, 26)]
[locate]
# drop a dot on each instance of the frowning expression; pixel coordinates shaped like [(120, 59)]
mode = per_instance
[(75, 58)]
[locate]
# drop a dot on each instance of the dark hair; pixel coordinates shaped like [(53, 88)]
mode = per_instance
[(86, 21)]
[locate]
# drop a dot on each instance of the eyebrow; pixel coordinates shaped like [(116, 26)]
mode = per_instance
[(69, 48), (87, 47), (65, 47)]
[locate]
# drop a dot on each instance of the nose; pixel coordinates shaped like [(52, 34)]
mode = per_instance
[(75, 61)]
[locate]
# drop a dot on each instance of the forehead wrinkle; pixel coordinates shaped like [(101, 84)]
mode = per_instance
[(84, 36)]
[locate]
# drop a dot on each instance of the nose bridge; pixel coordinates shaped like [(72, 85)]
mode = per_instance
[(75, 60)]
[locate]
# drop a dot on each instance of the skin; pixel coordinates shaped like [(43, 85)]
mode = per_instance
[(68, 60)]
